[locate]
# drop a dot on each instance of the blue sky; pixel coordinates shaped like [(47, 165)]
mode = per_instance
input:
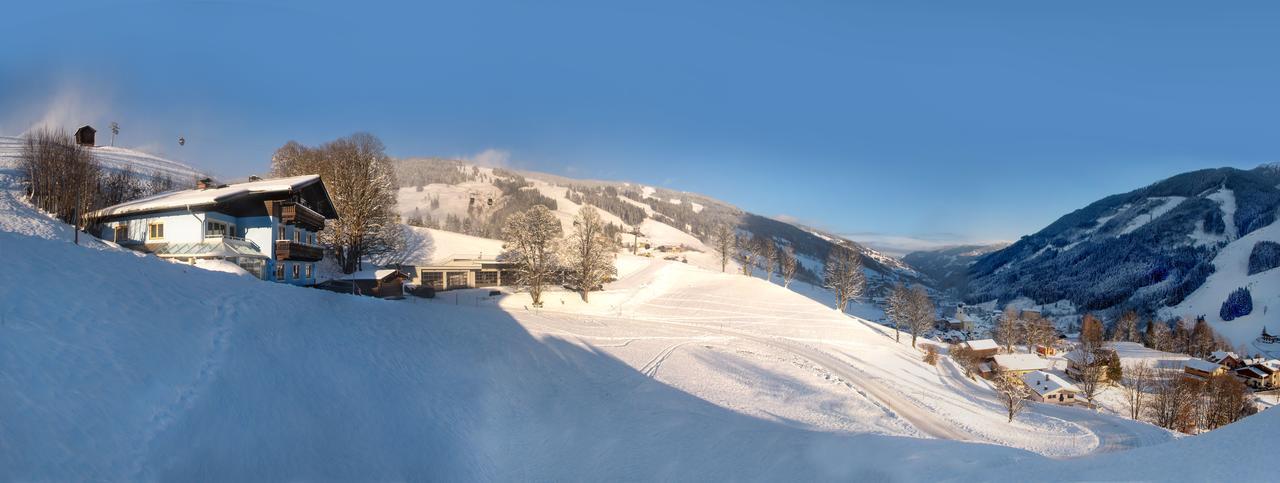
[(943, 121)]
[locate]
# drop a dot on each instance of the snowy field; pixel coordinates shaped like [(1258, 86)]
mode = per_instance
[(115, 366)]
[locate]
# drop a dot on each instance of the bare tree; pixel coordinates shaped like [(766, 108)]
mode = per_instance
[(589, 252), (1012, 393), (1092, 374), (1227, 400), (1091, 333), (787, 264), (1126, 329), (532, 240), (1039, 331), (725, 241), (1175, 401), (768, 257), (965, 357), (361, 181), (1137, 382), (844, 275), (920, 312), (1009, 328), (745, 254), (61, 176), (1158, 336), (898, 310)]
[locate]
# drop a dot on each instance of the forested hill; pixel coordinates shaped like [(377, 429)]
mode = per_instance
[(1145, 249), (457, 196)]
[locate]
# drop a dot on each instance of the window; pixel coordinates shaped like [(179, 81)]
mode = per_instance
[(313, 238), (297, 234), (155, 231), (310, 266), (215, 229), (297, 271), (279, 271), (282, 234)]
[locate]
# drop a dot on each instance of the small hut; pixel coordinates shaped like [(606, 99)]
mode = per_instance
[(85, 135)]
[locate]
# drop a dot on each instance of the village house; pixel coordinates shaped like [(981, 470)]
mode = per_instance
[(982, 348), (1267, 338), (1016, 364), (467, 271), (1229, 359), (1260, 376), (1078, 360), (1201, 369), (1049, 388), (267, 227)]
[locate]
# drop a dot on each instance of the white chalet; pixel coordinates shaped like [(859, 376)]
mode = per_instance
[(1048, 387), (266, 226)]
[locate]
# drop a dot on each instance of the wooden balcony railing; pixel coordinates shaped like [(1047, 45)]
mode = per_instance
[(292, 250), (296, 214)]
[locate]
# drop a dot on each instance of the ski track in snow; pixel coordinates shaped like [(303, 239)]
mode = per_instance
[(186, 396)]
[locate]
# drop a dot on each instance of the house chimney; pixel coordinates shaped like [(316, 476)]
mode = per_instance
[(203, 183)]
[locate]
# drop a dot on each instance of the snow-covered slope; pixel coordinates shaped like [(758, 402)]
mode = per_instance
[(1146, 249), (1231, 272), (141, 369), (144, 165), (461, 197)]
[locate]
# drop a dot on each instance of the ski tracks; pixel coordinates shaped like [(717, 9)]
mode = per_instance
[(185, 396)]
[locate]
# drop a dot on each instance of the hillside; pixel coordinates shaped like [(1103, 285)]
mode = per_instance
[(1146, 249), (948, 268), (470, 199), (715, 376), (144, 165)]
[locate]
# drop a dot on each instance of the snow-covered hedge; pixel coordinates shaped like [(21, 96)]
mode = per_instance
[(1265, 256), (1238, 304)]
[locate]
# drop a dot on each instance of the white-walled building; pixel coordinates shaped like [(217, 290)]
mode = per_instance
[(267, 227)]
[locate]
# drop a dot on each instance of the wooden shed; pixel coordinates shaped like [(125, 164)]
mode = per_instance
[(386, 283), (85, 135)]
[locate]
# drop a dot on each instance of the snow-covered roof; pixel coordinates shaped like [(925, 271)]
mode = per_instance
[(1044, 383), (1020, 362), (203, 197), (1202, 365), (377, 274), (1252, 371), (1219, 356), (982, 344)]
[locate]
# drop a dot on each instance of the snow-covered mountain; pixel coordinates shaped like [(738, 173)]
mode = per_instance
[(948, 267), (461, 197), (1150, 248)]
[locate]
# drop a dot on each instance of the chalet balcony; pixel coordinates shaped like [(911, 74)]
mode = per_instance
[(295, 251), (296, 214)]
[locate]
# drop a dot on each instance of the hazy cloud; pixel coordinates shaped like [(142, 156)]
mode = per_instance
[(899, 245), (492, 158), (66, 107)]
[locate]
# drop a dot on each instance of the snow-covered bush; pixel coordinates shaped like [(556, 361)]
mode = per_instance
[(1238, 304), (1265, 256)]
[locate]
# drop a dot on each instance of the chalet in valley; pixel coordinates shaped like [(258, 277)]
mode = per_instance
[(1201, 369), (1047, 387), (266, 226)]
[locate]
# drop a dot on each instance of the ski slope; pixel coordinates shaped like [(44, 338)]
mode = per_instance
[(144, 165)]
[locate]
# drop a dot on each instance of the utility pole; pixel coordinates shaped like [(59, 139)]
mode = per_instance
[(115, 129)]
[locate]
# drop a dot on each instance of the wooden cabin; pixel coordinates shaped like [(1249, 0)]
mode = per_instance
[(85, 136)]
